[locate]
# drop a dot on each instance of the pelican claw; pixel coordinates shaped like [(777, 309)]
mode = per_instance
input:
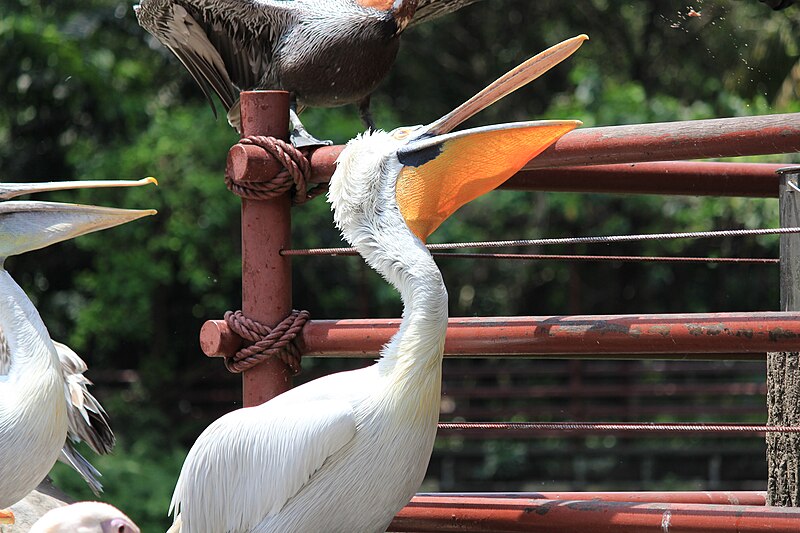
[(298, 135)]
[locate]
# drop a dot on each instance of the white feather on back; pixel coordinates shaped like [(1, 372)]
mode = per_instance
[(254, 462)]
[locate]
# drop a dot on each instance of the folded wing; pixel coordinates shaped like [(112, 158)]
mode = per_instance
[(246, 465), (87, 420), (226, 45)]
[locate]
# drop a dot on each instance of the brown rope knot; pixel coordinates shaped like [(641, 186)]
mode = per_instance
[(295, 174), (265, 341)]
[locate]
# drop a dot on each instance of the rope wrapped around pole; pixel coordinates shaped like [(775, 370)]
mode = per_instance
[(296, 173), (266, 341)]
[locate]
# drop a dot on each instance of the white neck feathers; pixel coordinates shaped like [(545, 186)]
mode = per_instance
[(362, 194)]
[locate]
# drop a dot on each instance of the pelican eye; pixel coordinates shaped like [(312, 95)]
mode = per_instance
[(401, 133)]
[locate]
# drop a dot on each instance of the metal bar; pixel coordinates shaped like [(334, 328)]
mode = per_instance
[(757, 180), (600, 390), (672, 141), (699, 497), (266, 275), (597, 239), (616, 145), (556, 257), (611, 258), (631, 336), (664, 408), (507, 430), (511, 515)]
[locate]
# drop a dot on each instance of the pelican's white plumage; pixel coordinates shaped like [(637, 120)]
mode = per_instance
[(43, 396), (33, 413), (85, 517), (344, 453), (363, 436)]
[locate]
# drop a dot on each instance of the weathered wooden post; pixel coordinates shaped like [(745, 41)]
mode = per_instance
[(783, 368)]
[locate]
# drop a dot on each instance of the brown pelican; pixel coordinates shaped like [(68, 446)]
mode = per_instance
[(44, 403), (85, 517), (326, 53), (346, 452)]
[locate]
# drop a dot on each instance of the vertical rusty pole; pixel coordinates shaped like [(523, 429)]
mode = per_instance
[(266, 224), (783, 368)]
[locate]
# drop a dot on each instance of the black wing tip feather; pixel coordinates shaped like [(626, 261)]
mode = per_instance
[(102, 439), (432, 9), (87, 471)]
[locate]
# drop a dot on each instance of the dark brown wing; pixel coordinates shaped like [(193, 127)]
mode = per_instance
[(431, 9), (224, 44)]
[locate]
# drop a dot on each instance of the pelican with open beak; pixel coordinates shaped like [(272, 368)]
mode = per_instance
[(44, 404), (346, 452)]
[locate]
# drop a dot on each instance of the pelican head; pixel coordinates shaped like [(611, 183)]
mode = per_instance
[(423, 174), (86, 517), (28, 225)]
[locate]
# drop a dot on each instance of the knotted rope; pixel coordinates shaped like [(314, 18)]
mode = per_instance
[(266, 341), (296, 173)]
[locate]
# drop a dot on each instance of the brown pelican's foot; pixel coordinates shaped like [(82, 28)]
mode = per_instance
[(366, 114), (298, 135), (6, 516)]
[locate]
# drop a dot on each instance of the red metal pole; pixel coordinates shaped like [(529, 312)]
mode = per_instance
[(697, 336), (511, 515), (266, 224)]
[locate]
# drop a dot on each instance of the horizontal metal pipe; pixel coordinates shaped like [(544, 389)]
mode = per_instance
[(672, 141), (524, 430), (617, 147), (587, 390), (758, 180), (631, 336), (511, 515), (699, 497)]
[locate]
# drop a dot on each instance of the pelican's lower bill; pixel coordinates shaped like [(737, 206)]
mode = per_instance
[(6, 517)]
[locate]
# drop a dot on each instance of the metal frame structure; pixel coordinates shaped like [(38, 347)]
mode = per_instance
[(616, 156)]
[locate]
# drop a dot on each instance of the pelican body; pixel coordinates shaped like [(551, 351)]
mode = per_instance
[(33, 410), (44, 404), (344, 453), (326, 53)]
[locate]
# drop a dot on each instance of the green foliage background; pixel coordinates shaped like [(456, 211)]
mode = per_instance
[(86, 94)]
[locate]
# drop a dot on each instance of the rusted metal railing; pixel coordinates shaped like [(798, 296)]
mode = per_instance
[(626, 159), (629, 150), (433, 513), (699, 336)]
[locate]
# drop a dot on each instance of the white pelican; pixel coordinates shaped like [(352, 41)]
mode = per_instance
[(344, 453), (85, 517), (44, 403)]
